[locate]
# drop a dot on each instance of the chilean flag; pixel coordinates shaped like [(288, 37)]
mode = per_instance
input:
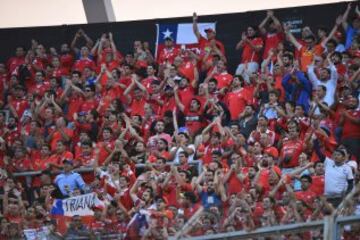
[(181, 33)]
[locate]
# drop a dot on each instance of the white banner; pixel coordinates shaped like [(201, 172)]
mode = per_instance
[(80, 205)]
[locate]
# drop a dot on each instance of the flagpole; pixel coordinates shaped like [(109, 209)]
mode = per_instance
[(157, 39)]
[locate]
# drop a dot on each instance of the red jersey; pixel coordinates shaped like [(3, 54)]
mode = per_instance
[(88, 105), (249, 54), (290, 152), (14, 62), (272, 40), (187, 70), (236, 102), (103, 152), (351, 129), (58, 159), (40, 89), (224, 79), (317, 185), (205, 45), (137, 107), (307, 196), (168, 55), (193, 120), (67, 61), (186, 95), (84, 62), (57, 136), (20, 105)]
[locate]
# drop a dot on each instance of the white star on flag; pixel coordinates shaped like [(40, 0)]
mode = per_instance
[(167, 33)]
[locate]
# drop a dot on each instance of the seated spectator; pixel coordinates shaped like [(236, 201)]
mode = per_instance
[(68, 181)]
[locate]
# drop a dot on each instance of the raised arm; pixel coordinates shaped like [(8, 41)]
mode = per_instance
[(345, 17), (263, 23), (333, 30), (195, 26), (179, 104), (89, 41), (112, 45), (291, 37)]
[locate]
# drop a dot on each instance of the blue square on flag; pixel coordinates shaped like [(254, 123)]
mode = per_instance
[(167, 30)]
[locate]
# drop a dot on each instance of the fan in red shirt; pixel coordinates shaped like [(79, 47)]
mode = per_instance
[(274, 35), (237, 98), (187, 69), (61, 133), (60, 154), (106, 145), (205, 44), (318, 181), (87, 156), (42, 162), (89, 102), (168, 53), (251, 46), (19, 103), (223, 78), (136, 102), (20, 162), (185, 91), (16, 61), (350, 120), (193, 113), (306, 195), (40, 86), (84, 61), (292, 147), (66, 58)]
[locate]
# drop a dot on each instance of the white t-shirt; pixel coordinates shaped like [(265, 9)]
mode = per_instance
[(336, 178), (180, 149)]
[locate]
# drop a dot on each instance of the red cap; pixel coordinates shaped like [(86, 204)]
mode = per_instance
[(210, 30)]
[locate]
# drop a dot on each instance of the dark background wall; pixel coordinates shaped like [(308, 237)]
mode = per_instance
[(229, 28)]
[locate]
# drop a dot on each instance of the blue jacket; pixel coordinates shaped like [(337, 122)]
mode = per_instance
[(300, 93)]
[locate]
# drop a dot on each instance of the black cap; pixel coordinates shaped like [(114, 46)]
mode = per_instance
[(68, 161), (169, 39)]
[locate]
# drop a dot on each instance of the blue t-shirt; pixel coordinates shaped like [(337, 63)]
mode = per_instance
[(350, 34), (210, 199)]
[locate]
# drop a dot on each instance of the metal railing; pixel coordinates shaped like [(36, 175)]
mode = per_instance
[(197, 163), (30, 174), (287, 229)]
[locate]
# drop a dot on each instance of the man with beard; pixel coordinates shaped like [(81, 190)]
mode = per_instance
[(251, 46), (328, 77), (159, 133), (339, 179), (17, 60), (66, 58), (298, 88), (168, 53), (237, 98), (247, 120), (11, 132), (18, 104), (350, 121)]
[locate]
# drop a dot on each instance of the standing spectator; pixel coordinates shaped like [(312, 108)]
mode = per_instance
[(298, 88), (251, 45), (210, 37), (328, 77), (350, 121), (339, 179)]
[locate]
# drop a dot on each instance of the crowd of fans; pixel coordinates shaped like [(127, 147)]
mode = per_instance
[(278, 141)]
